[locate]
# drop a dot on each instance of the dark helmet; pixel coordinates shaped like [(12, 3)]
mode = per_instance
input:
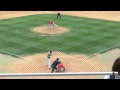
[(59, 62), (51, 51), (57, 59)]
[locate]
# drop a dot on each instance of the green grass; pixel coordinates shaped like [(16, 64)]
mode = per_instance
[(86, 35)]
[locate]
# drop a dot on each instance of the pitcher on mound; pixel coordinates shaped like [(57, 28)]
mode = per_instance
[(52, 24)]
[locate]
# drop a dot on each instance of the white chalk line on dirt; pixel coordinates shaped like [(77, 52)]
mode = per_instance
[(104, 50), (14, 55), (18, 56)]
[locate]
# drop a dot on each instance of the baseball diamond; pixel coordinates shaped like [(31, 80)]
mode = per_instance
[(79, 38)]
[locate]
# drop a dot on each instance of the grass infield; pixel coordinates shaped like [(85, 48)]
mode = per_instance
[(85, 36)]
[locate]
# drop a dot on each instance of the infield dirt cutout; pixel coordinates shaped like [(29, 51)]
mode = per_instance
[(37, 63)]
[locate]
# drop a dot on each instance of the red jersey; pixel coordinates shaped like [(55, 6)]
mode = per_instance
[(50, 22), (60, 66)]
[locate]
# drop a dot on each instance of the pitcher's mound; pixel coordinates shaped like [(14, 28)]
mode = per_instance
[(48, 30)]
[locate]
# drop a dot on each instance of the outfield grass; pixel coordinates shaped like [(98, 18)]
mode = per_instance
[(86, 35)]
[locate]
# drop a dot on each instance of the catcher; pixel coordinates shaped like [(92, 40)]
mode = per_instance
[(60, 67)]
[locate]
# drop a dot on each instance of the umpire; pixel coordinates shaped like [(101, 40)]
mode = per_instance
[(54, 65), (58, 15)]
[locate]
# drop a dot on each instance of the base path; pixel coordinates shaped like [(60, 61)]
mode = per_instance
[(108, 15)]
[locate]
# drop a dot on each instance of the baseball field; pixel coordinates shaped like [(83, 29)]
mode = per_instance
[(84, 41)]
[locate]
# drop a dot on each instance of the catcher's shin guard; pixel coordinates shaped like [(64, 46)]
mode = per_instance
[(63, 69)]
